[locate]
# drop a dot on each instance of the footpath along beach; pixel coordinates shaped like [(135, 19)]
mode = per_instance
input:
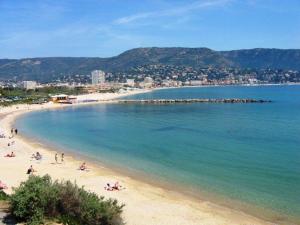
[(145, 204)]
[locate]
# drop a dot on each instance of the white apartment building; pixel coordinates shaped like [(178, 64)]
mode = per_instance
[(98, 77)]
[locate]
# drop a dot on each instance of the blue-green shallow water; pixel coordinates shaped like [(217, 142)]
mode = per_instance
[(245, 152)]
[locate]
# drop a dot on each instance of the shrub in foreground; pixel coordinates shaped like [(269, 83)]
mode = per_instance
[(39, 198), (3, 196)]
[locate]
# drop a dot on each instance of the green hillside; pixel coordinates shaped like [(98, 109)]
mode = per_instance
[(49, 68)]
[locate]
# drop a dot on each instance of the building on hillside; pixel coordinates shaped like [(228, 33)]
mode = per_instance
[(29, 85), (130, 82), (171, 83), (98, 77), (147, 83), (148, 80), (252, 81)]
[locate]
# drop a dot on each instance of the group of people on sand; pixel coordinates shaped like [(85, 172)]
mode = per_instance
[(10, 143), (62, 158), (109, 187), (83, 167), (9, 155), (115, 187), (14, 131), (37, 156)]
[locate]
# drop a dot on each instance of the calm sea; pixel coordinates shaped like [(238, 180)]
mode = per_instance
[(247, 153)]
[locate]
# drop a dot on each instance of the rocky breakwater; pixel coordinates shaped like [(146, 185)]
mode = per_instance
[(197, 100)]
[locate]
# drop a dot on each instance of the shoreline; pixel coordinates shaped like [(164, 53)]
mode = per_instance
[(229, 85), (145, 203)]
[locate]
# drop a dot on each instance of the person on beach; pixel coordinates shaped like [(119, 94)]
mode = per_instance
[(12, 154), (56, 157), (108, 187), (62, 157), (115, 187), (38, 156), (16, 131), (30, 170), (83, 166), (12, 131), (11, 143)]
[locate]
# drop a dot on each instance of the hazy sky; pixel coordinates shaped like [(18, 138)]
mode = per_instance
[(33, 28)]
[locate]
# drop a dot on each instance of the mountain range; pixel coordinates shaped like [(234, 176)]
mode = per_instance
[(48, 68)]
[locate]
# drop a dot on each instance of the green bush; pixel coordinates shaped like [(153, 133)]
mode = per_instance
[(39, 198), (3, 196)]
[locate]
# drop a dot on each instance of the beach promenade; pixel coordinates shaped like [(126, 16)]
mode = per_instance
[(146, 204)]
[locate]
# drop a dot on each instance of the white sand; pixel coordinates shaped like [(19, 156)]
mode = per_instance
[(145, 204)]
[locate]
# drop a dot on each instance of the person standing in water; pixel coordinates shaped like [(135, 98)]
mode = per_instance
[(16, 131)]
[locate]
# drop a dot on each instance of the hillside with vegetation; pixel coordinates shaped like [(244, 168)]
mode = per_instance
[(51, 68)]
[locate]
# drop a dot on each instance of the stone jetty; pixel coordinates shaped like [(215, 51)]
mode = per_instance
[(195, 100)]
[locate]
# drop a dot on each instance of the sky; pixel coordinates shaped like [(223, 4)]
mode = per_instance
[(105, 28)]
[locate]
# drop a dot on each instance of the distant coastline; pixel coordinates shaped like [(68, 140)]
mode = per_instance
[(230, 85)]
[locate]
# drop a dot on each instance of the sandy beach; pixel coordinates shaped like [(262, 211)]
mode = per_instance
[(146, 204)]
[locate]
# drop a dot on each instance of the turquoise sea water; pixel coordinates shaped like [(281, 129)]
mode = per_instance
[(244, 152)]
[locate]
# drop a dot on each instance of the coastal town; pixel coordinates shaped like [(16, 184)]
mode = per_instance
[(165, 76), (144, 77), (171, 75)]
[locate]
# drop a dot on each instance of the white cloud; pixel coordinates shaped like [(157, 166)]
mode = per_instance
[(172, 11), (128, 19)]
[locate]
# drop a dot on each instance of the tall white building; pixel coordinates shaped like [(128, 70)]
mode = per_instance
[(29, 84), (98, 77)]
